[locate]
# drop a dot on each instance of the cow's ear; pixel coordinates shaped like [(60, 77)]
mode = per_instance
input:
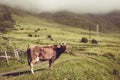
[(28, 45), (58, 46), (63, 44), (55, 46)]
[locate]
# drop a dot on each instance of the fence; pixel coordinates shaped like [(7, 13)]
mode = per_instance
[(16, 55)]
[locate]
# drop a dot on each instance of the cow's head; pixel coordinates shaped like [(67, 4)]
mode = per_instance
[(61, 48)]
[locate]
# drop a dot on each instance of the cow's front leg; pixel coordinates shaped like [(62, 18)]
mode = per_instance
[(51, 64)]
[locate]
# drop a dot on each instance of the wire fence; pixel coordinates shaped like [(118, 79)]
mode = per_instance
[(11, 54)]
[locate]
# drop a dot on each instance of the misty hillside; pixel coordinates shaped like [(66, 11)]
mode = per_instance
[(108, 22), (6, 20)]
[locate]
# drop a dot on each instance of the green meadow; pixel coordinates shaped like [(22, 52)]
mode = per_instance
[(83, 61)]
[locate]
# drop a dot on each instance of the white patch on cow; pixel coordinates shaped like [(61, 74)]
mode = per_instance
[(31, 65), (37, 59)]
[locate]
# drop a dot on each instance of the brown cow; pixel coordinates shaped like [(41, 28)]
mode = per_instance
[(44, 53)]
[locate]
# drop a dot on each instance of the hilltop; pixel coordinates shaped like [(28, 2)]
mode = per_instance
[(6, 20), (108, 22)]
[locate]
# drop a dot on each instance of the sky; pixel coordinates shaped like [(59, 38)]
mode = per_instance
[(78, 6)]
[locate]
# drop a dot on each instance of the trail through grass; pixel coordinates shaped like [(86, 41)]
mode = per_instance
[(69, 68)]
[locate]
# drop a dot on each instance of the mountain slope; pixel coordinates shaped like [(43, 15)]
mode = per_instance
[(6, 20), (107, 22)]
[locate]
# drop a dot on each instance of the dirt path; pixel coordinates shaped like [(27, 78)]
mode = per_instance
[(37, 67)]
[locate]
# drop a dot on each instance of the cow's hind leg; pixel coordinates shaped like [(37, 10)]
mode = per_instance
[(31, 68), (51, 62)]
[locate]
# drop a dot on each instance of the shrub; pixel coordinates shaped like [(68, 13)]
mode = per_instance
[(22, 28), (29, 35), (35, 35), (35, 30), (84, 40), (115, 72), (93, 41), (51, 39), (38, 29), (49, 36)]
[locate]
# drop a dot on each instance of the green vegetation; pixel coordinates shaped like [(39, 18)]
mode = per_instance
[(6, 21), (72, 68), (86, 21), (84, 61)]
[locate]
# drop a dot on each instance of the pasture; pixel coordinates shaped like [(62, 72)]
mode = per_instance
[(84, 61)]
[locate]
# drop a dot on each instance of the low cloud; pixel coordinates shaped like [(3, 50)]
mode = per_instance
[(79, 6)]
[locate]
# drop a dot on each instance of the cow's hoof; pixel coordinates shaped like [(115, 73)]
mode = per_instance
[(32, 72)]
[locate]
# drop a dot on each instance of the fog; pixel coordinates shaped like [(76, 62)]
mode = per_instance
[(78, 6)]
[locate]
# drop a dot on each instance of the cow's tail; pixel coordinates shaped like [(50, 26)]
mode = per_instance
[(29, 56)]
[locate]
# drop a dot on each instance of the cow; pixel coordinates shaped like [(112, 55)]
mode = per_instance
[(44, 53)]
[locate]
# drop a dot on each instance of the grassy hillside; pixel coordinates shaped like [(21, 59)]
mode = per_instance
[(107, 22), (73, 68), (84, 61), (6, 20)]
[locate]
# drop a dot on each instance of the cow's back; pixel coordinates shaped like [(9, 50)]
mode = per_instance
[(47, 53), (43, 52)]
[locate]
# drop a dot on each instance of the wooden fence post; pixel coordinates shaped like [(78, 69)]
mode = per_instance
[(97, 31), (6, 56), (89, 32), (16, 54)]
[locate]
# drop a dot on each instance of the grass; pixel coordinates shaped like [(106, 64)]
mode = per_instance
[(74, 68), (91, 62)]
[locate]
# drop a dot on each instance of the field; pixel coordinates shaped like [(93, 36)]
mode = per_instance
[(84, 61)]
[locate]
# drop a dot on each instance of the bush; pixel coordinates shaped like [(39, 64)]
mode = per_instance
[(49, 36), (51, 39), (36, 35), (38, 29), (35, 30), (29, 35), (94, 41), (84, 40), (22, 28), (115, 72)]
